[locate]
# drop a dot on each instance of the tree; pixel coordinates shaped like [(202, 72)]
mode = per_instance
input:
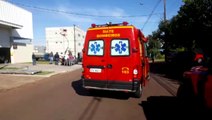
[(154, 46), (191, 28)]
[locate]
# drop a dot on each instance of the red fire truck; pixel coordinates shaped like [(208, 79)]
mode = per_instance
[(196, 87), (115, 58)]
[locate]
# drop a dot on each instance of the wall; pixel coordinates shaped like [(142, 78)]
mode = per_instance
[(16, 22), (58, 39), (4, 38), (23, 53), (16, 15)]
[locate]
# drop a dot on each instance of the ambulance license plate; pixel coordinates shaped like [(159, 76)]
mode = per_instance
[(95, 70)]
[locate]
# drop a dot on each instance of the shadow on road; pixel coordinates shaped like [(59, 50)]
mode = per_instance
[(77, 85), (170, 108), (90, 109)]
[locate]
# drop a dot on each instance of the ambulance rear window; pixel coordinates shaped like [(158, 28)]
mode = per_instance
[(120, 47), (95, 47)]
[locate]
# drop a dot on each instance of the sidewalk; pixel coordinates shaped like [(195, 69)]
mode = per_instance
[(27, 73)]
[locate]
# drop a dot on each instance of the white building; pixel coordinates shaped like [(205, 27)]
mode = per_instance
[(63, 39), (16, 34)]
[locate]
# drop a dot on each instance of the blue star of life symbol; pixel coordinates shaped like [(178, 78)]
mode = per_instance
[(119, 47), (95, 47)]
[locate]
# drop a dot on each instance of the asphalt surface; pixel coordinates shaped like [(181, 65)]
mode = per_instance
[(16, 75)]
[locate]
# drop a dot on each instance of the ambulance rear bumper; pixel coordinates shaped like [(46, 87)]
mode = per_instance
[(111, 85)]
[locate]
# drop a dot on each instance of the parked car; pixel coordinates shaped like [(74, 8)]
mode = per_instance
[(39, 56), (46, 56)]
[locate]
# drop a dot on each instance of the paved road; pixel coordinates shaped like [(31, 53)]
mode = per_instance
[(61, 97)]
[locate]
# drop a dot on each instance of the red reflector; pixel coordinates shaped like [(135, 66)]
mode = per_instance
[(93, 25), (125, 23)]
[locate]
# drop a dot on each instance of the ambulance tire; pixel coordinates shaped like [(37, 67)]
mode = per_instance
[(138, 92)]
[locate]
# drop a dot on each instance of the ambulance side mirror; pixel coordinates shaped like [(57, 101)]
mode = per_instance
[(83, 50), (147, 38)]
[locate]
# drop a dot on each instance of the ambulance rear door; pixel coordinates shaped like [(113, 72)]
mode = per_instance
[(94, 62), (119, 64)]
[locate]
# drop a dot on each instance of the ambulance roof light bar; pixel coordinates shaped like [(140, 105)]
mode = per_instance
[(110, 24)]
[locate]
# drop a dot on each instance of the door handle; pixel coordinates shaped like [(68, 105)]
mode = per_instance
[(109, 66)]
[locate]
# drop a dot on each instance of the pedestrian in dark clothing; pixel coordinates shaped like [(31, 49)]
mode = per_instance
[(57, 58), (78, 57), (33, 59)]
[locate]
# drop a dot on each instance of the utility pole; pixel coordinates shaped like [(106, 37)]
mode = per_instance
[(74, 42), (164, 2), (165, 23)]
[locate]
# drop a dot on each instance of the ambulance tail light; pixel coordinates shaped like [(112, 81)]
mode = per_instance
[(93, 25), (135, 73), (125, 23)]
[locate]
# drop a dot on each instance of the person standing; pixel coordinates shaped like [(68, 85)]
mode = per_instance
[(71, 58), (56, 57), (51, 58), (66, 57), (33, 59)]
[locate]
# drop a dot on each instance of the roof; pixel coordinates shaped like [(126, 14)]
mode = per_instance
[(9, 24)]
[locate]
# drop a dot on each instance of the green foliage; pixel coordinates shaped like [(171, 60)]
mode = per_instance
[(154, 46), (42, 62), (190, 29), (9, 68), (160, 56)]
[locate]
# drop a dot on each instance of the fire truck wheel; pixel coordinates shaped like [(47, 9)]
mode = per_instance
[(138, 92)]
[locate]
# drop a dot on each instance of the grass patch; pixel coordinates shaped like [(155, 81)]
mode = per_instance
[(44, 72), (42, 62), (38, 62), (9, 68), (160, 60)]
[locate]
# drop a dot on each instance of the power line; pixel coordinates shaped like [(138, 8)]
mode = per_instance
[(151, 13), (78, 14)]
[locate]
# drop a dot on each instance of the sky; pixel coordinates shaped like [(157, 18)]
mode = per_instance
[(144, 14)]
